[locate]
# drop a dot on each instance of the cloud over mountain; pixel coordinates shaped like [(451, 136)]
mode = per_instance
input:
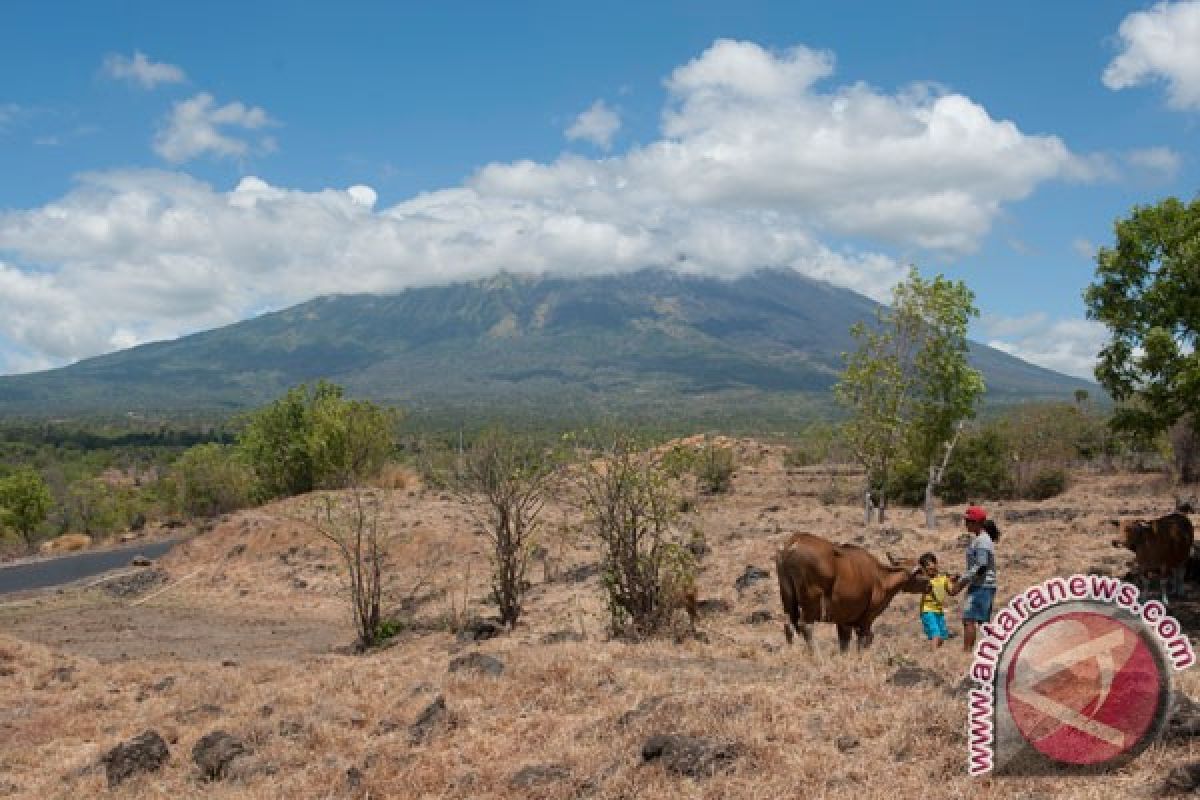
[(758, 163)]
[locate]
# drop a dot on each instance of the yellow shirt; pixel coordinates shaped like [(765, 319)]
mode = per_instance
[(934, 599)]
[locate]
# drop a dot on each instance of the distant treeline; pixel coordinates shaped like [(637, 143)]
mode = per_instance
[(80, 437)]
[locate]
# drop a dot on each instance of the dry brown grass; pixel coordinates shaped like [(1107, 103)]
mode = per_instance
[(312, 717)]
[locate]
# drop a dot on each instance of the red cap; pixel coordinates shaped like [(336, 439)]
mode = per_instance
[(975, 514)]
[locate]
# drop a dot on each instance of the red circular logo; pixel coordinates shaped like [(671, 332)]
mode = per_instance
[(1085, 688)]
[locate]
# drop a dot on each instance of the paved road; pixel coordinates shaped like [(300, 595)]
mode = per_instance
[(66, 569)]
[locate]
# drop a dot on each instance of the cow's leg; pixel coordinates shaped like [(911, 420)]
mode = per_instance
[(791, 605), (865, 637), (806, 630), (811, 614), (844, 634)]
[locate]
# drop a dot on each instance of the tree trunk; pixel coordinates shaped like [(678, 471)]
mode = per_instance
[(935, 478), (930, 517)]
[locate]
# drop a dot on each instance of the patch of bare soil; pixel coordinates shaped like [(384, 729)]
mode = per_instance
[(108, 630)]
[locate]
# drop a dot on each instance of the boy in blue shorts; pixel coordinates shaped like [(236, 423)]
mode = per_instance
[(933, 602)]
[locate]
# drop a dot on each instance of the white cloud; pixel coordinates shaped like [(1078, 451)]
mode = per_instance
[(1069, 346), (198, 126), (1084, 247), (597, 125), (10, 114), (755, 167), (1155, 163), (141, 70), (1162, 43)]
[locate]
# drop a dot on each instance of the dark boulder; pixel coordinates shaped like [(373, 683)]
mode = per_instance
[(433, 718), (750, 576), (477, 662), (693, 756), (144, 753), (214, 751)]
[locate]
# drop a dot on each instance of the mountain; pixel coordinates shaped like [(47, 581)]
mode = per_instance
[(652, 343)]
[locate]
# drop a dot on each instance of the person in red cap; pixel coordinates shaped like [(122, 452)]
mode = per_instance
[(980, 577)]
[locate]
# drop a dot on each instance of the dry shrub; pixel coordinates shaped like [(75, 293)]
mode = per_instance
[(396, 476), (648, 571)]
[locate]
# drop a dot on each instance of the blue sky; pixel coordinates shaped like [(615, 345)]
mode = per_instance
[(166, 168)]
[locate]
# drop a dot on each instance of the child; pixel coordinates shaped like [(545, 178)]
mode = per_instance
[(933, 616)]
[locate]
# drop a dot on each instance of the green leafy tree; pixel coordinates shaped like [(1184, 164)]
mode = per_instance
[(212, 479), (313, 438), (980, 468), (909, 386), (93, 507), (1147, 292), (24, 502)]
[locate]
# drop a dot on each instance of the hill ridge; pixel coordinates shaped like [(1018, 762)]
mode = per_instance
[(624, 343)]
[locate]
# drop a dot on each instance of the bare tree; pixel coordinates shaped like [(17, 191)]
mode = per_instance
[(351, 523), (504, 479)]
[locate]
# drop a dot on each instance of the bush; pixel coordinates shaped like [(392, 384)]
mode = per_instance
[(212, 479), (24, 502), (712, 466), (1046, 483), (979, 468), (94, 507), (505, 480), (818, 443), (314, 438), (714, 470), (648, 569), (906, 485)]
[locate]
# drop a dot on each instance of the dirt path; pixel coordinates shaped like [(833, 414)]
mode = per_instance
[(108, 630)]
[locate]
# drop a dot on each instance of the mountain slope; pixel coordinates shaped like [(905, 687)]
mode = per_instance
[(643, 341)]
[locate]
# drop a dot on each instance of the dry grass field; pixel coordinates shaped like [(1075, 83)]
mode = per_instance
[(243, 637)]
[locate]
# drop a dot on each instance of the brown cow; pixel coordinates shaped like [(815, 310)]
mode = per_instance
[(838, 583), (1161, 546)]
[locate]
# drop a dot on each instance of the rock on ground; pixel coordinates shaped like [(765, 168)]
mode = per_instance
[(538, 774), (693, 756), (749, 577), (214, 751), (435, 717), (135, 584), (146, 752), (1184, 779), (908, 676), (477, 662)]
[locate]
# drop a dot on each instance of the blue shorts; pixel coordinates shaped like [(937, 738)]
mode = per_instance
[(934, 623), (979, 603)]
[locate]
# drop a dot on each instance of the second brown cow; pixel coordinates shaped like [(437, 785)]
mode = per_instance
[(820, 581), (1161, 547)]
